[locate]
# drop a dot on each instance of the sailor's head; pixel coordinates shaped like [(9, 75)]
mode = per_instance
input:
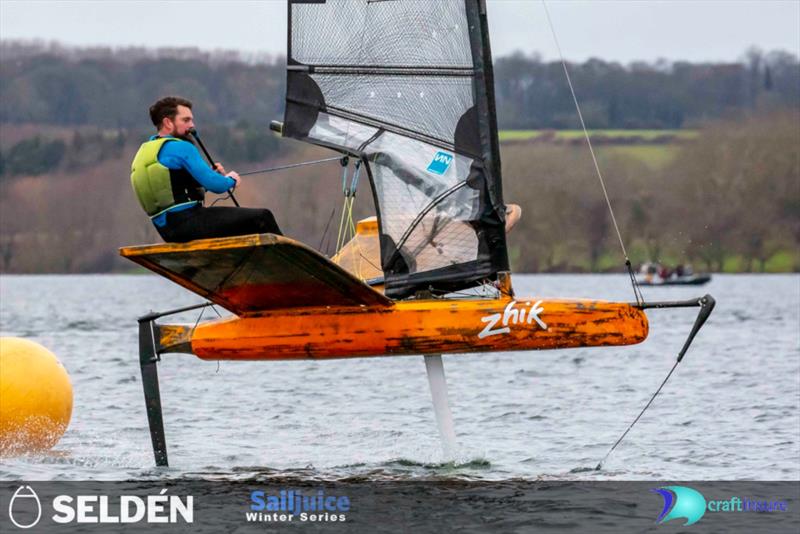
[(172, 115)]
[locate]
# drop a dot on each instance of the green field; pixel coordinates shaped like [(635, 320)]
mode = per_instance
[(645, 146), (654, 156), (644, 135)]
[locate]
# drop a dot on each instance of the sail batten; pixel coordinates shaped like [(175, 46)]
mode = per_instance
[(403, 85), (384, 70)]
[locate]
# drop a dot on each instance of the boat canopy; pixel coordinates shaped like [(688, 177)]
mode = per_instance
[(407, 87)]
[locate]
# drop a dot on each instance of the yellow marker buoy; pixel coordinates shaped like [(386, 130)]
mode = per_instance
[(35, 397)]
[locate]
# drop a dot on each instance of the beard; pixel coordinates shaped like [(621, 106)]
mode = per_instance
[(185, 136)]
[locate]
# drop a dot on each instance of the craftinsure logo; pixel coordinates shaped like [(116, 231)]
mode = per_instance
[(681, 502), (26, 510)]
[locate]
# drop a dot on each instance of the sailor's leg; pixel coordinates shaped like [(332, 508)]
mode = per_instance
[(148, 361), (441, 406), (218, 221)]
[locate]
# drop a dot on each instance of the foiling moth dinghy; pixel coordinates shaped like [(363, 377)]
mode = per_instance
[(421, 126)]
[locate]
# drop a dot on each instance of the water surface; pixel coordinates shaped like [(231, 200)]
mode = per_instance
[(731, 411)]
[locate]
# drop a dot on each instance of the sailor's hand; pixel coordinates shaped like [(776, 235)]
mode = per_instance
[(219, 168), (235, 176)]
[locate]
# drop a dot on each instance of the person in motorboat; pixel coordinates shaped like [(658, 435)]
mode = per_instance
[(170, 179)]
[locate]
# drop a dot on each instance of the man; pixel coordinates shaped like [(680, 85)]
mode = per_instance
[(170, 179)]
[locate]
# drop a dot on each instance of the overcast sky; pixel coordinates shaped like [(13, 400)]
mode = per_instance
[(620, 30)]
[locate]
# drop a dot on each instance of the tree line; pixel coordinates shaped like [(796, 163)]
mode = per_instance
[(71, 87), (69, 150), (532, 93), (113, 88)]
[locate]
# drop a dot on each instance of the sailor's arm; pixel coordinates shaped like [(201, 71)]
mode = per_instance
[(189, 158), (233, 174)]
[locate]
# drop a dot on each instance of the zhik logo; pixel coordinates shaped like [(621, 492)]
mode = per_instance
[(22, 502), (681, 502)]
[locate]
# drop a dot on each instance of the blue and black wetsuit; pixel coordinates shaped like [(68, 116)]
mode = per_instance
[(189, 221)]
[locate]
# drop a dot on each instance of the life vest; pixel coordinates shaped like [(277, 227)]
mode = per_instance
[(157, 187)]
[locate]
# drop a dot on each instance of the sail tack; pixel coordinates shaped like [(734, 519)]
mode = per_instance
[(406, 86)]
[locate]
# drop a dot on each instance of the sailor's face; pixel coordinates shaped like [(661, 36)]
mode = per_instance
[(182, 123)]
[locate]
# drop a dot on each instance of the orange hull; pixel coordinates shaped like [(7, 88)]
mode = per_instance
[(418, 327), (293, 303)]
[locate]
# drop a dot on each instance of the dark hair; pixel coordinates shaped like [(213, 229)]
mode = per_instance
[(167, 107)]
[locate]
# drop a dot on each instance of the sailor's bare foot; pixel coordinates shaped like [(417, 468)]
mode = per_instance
[(513, 214)]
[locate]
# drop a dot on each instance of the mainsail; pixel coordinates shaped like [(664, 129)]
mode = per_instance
[(407, 87)]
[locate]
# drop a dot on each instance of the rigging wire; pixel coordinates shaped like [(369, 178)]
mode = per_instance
[(706, 303), (290, 166), (197, 322), (202, 311), (637, 292), (485, 288), (341, 159), (353, 229), (226, 197), (325, 232), (340, 237), (367, 260), (347, 227), (600, 463)]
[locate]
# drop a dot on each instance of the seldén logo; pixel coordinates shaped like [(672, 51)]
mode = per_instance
[(23, 506), (26, 509), (681, 503), (440, 163)]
